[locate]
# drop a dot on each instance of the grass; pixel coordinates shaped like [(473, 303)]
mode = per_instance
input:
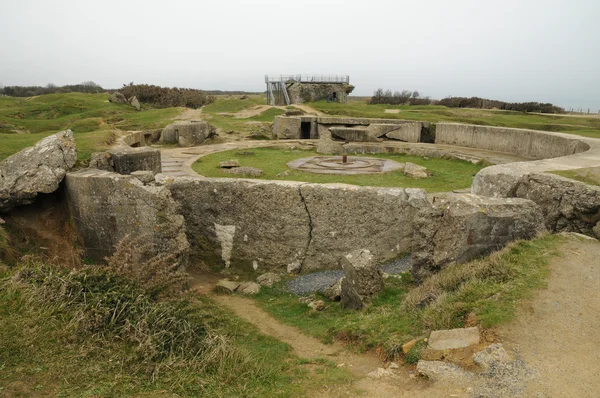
[(447, 174), (489, 288), (590, 176), (91, 117), (90, 333), (581, 125)]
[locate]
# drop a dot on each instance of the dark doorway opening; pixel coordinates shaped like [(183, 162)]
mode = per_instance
[(305, 130)]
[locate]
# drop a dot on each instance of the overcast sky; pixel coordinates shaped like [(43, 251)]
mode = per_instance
[(512, 50)]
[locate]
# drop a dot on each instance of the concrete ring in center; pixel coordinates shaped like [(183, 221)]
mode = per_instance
[(336, 165)]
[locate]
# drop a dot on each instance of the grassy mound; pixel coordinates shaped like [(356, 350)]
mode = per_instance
[(447, 174), (24, 121)]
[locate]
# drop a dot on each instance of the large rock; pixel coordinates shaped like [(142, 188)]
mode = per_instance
[(35, 170), (442, 371), (133, 101), (458, 228), (118, 98), (491, 356), (363, 279), (102, 161), (415, 171), (187, 133)]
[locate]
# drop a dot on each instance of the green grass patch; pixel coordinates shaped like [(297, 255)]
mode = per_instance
[(90, 116), (91, 333), (590, 176), (490, 288), (447, 174), (268, 115), (581, 125)]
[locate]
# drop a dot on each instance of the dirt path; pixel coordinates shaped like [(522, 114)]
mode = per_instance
[(558, 333), (189, 114)]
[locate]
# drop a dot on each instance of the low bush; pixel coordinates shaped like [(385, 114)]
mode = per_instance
[(164, 97)]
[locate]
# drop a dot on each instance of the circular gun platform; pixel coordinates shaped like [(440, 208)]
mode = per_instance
[(344, 165)]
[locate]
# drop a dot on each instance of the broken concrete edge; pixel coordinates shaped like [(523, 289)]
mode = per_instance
[(568, 205)]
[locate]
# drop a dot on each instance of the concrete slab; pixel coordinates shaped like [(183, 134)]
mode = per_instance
[(453, 338)]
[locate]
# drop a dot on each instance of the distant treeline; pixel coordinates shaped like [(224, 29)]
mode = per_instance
[(164, 97), (482, 103), (398, 98), (221, 92), (31, 91), (408, 97)]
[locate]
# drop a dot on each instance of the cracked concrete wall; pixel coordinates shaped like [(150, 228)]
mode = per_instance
[(106, 207), (291, 225)]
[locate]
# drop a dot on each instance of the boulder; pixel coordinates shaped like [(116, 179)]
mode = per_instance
[(457, 228), (228, 164), (491, 356), (118, 98), (133, 101), (415, 171), (35, 170), (245, 171), (363, 279), (102, 161), (268, 279), (227, 286), (249, 288), (453, 338)]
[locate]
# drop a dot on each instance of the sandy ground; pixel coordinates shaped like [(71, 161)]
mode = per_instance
[(558, 333)]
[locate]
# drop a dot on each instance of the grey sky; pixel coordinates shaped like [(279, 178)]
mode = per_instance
[(513, 50)]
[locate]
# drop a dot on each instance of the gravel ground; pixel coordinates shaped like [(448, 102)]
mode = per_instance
[(321, 280)]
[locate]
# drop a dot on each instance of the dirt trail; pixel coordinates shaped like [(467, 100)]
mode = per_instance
[(558, 333), (360, 365), (189, 114)]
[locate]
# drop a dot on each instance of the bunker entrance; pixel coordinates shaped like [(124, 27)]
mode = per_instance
[(305, 130)]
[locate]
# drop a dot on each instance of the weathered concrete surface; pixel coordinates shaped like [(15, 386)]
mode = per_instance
[(300, 93), (273, 225), (532, 144), (353, 134), (187, 133), (567, 205), (35, 170), (453, 338), (128, 160), (287, 127), (344, 217), (409, 132), (268, 226), (106, 207), (458, 228), (102, 161)]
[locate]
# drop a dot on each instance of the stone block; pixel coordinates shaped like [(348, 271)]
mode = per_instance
[(128, 160), (287, 127), (187, 133), (145, 176), (352, 134), (453, 338), (458, 228)]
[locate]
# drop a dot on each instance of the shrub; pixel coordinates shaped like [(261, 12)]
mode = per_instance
[(398, 98), (164, 97)]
